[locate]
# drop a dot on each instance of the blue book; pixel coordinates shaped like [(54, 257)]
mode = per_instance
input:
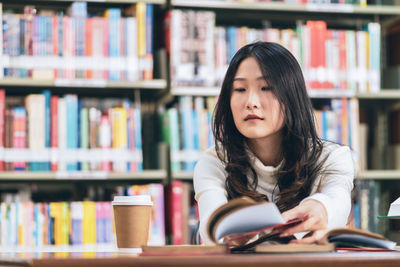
[(36, 213), (72, 127), (149, 29), (45, 166), (138, 135), (114, 38), (231, 36), (186, 112), (23, 72)]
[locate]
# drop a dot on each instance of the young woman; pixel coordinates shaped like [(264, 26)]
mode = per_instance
[(267, 148)]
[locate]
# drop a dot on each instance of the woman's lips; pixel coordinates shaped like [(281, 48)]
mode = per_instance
[(252, 117)]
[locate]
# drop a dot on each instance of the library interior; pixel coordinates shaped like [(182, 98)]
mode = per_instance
[(116, 98)]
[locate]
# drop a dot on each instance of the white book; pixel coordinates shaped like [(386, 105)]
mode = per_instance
[(351, 60), (132, 49), (394, 209), (35, 105), (374, 30)]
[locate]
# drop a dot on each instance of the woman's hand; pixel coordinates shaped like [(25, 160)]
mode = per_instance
[(315, 220)]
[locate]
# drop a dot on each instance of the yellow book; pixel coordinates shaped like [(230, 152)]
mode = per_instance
[(141, 24), (120, 138), (89, 223), (64, 223), (55, 214)]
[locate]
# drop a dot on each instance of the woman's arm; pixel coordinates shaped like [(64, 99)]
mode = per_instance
[(329, 206), (209, 186)]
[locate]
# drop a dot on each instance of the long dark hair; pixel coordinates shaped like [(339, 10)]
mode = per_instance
[(301, 146)]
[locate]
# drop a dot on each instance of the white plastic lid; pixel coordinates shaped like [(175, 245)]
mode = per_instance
[(133, 200)]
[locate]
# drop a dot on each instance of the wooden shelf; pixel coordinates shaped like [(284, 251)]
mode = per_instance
[(330, 93), (322, 93), (84, 176), (151, 84), (284, 7), (195, 90), (182, 175), (383, 94), (379, 175)]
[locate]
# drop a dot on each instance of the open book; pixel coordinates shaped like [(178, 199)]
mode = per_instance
[(243, 224), (261, 223)]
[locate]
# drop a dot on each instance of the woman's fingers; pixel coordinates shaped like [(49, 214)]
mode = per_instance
[(310, 224), (293, 214)]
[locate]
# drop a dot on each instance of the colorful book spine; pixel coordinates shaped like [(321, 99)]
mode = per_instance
[(114, 18), (19, 134), (138, 137), (45, 166), (2, 125), (71, 102)]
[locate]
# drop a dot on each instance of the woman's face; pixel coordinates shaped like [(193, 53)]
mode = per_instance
[(256, 111)]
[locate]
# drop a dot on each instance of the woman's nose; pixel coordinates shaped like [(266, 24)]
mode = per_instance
[(252, 101)]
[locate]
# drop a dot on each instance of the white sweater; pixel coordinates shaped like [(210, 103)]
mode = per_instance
[(332, 190)]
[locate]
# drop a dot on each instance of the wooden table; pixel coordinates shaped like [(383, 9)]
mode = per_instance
[(353, 259)]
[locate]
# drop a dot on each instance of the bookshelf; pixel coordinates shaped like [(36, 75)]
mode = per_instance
[(155, 87), (103, 56), (284, 7), (248, 18)]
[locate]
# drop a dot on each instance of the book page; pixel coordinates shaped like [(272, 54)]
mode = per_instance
[(249, 219), (361, 240)]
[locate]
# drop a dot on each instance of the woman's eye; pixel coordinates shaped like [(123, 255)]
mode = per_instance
[(266, 88), (239, 89)]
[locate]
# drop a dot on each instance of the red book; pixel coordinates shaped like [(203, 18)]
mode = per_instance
[(342, 60), (53, 129), (2, 110), (19, 134), (317, 53), (174, 221)]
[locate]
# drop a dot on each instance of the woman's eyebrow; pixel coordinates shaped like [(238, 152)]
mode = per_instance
[(243, 79)]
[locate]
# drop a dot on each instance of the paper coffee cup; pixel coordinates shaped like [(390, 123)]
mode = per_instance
[(132, 215)]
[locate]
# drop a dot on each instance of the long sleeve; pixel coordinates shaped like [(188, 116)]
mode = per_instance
[(334, 187), (209, 185)]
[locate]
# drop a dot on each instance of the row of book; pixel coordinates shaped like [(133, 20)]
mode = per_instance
[(78, 46), (330, 59), (337, 120), (186, 126), (44, 132), (28, 224)]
